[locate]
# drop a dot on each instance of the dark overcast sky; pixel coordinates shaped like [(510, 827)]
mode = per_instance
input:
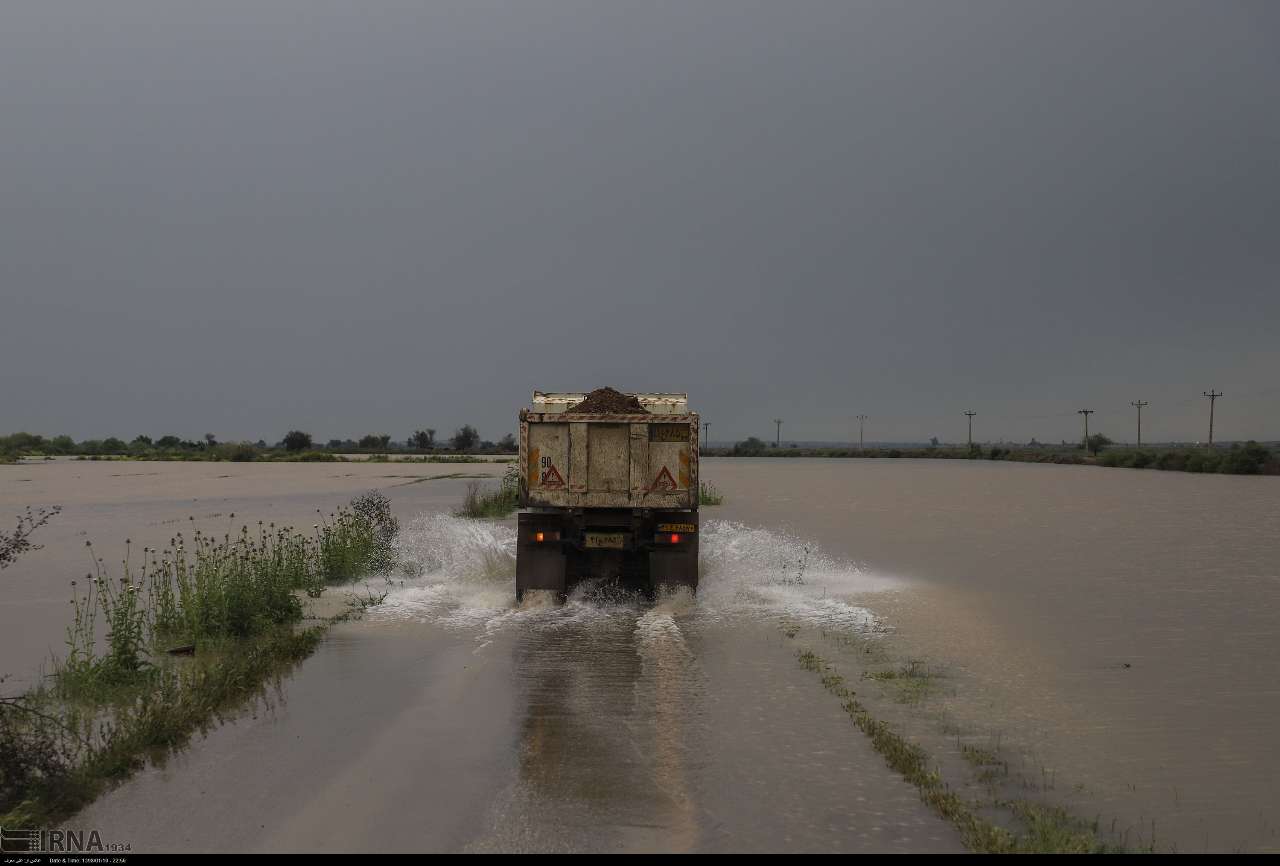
[(244, 217)]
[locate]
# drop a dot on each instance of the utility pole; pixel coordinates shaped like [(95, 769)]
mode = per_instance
[(971, 413), (862, 419), (777, 438), (1213, 398), (706, 434), (1139, 404), (1086, 413)]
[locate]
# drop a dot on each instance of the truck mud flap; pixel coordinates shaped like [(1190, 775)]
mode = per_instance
[(538, 565), (675, 567)]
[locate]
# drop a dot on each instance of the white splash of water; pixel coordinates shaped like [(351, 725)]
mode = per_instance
[(658, 627), (460, 573), (457, 572), (748, 571)]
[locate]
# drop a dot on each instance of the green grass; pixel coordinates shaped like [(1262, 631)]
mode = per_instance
[(58, 756), (909, 684), (709, 495), (1044, 828), (977, 756), (230, 607), (481, 503)]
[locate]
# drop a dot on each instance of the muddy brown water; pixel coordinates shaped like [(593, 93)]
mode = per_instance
[(1113, 632)]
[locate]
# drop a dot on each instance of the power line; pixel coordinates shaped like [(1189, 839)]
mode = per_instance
[(1213, 398), (1086, 413), (1139, 404)]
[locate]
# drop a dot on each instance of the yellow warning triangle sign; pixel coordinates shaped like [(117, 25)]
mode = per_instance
[(552, 478)]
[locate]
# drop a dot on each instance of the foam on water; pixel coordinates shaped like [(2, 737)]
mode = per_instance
[(460, 573), (760, 572)]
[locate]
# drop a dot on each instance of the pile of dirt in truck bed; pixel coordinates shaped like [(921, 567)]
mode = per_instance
[(606, 401)]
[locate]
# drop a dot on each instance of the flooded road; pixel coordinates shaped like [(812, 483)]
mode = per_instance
[(449, 719), (1113, 631), (1119, 630)]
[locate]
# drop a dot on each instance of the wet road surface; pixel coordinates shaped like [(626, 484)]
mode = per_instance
[(618, 731)]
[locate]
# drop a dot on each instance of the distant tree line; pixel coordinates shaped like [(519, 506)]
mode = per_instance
[(1248, 458), (294, 444)]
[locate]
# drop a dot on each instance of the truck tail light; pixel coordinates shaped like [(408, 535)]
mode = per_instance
[(675, 538), (667, 538), (544, 535)]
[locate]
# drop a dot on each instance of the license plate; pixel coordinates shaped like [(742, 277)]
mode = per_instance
[(677, 527), (606, 539)]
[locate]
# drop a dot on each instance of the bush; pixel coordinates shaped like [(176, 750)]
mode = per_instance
[(465, 438), (12, 545), (375, 508), (1248, 459), (1201, 461), (317, 457), (236, 452), (296, 440), (493, 503)]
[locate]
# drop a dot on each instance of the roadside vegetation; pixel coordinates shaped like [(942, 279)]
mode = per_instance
[(484, 502), (294, 446), (162, 650), (14, 544), (709, 495), (1248, 458), (996, 826), (437, 458)]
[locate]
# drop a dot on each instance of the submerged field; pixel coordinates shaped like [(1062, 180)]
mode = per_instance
[(1059, 643)]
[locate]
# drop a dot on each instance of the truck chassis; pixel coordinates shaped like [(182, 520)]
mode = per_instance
[(640, 550), (608, 493)]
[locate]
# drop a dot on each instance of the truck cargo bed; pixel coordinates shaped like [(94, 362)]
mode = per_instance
[(609, 497), (571, 460)]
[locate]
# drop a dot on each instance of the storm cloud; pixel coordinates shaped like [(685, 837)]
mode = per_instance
[(246, 217)]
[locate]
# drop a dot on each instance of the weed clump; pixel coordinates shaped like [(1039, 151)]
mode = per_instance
[(1048, 829), (709, 495), (202, 589), (155, 654), (56, 755), (375, 508), (481, 503), (13, 544)]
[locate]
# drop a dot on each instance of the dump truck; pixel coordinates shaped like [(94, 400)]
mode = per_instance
[(607, 495)]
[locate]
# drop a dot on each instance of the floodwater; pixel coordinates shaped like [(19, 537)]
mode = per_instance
[(1115, 632), (109, 503)]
